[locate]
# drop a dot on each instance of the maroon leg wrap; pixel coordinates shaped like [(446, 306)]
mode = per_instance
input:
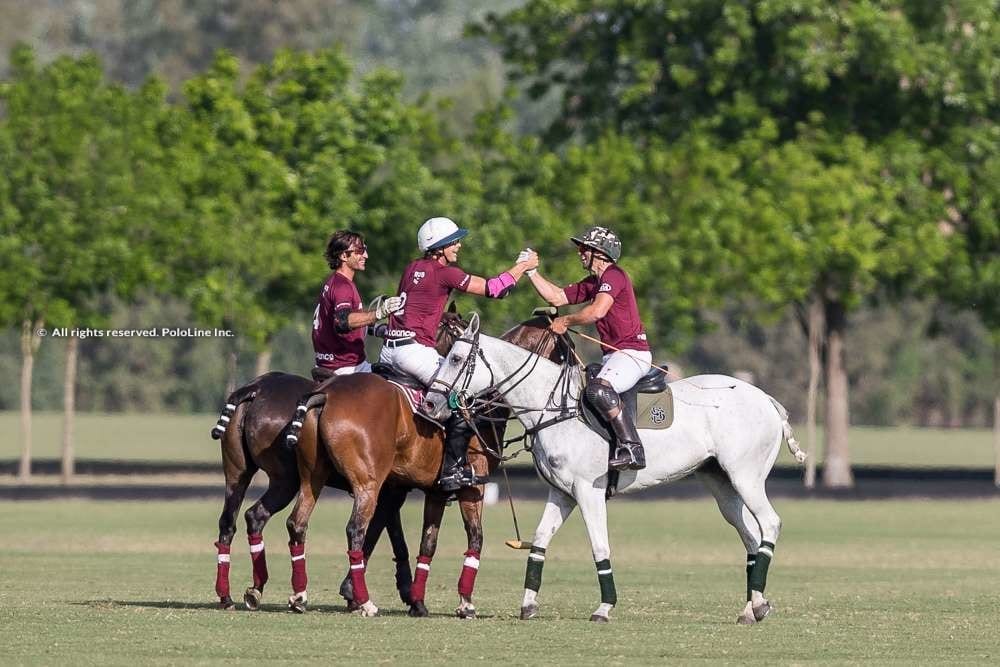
[(259, 560), (467, 581), (419, 587), (299, 579), (357, 559), (222, 573)]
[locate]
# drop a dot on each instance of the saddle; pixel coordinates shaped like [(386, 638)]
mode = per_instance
[(649, 403), (412, 389)]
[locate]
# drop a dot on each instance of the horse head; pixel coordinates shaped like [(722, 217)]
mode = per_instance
[(449, 329)]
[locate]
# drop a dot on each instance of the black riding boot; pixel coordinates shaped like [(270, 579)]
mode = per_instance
[(455, 470), (628, 452)]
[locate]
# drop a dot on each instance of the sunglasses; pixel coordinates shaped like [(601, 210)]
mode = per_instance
[(358, 250)]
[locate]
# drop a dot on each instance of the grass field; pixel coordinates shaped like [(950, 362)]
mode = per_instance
[(165, 437), (117, 583)]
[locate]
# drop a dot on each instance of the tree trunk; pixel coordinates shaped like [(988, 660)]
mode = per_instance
[(69, 410), (30, 340), (231, 370), (996, 410), (263, 361), (996, 439), (837, 460), (815, 368)]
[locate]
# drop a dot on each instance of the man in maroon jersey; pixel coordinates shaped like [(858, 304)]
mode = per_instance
[(612, 308), (338, 323), (424, 289)]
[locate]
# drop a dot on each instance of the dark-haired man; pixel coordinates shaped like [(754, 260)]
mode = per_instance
[(339, 321)]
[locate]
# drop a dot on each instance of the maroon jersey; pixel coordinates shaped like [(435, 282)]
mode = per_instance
[(425, 287), (334, 349), (621, 326)]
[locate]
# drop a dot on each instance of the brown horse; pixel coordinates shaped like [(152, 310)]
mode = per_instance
[(252, 428), (367, 432)]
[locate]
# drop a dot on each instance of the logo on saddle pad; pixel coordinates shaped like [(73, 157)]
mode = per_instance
[(655, 411)]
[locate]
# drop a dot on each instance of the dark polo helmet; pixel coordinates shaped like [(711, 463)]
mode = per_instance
[(602, 240)]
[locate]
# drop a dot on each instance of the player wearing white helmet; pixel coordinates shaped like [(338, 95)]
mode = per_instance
[(424, 289)]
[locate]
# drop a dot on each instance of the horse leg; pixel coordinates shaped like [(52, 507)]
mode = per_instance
[(433, 511), (470, 502), (386, 518), (750, 487), (365, 500), (736, 513), (557, 509), (276, 498), (594, 508), (298, 523), (236, 489)]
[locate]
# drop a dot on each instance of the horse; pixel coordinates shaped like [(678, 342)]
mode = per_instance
[(368, 433), (252, 428), (725, 431)]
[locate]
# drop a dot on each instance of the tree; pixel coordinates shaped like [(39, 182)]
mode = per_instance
[(71, 209), (857, 96)]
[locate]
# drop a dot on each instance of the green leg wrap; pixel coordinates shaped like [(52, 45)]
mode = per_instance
[(607, 581), (751, 561), (533, 573), (758, 575)]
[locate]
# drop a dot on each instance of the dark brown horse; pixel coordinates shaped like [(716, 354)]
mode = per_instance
[(367, 432), (252, 428)]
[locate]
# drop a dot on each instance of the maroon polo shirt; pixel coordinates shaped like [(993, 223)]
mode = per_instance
[(333, 349), (425, 287), (621, 326)]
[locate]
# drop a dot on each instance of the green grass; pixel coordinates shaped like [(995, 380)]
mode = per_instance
[(166, 437), (120, 583)]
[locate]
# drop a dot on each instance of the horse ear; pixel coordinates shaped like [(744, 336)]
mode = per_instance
[(473, 327), (452, 308)]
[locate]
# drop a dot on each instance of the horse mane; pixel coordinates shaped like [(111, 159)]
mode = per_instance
[(534, 335)]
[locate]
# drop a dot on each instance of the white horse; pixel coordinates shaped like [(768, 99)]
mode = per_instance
[(726, 431)]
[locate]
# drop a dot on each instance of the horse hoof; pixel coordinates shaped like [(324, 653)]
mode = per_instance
[(352, 606), (529, 612), (746, 617), (227, 604), (368, 609), (761, 611), (418, 610), (598, 618), (252, 598), (297, 603), (466, 612)]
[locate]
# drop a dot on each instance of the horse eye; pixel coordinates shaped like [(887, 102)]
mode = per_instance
[(455, 359)]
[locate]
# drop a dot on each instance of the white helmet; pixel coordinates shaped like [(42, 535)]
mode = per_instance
[(438, 233)]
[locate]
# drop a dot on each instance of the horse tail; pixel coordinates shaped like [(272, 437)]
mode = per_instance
[(306, 403), (241, 395), (786, 429)]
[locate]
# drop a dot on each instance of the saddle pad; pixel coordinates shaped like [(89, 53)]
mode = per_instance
[(655, 411), (415, 397)]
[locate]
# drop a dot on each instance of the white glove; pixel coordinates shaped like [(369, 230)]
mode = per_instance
[(388, 305), (524, 256)]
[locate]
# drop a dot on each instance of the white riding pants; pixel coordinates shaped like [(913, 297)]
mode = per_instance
[(418, 360), (623, 369)]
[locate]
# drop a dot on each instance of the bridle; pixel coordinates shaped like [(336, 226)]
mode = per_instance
[(473, 406)]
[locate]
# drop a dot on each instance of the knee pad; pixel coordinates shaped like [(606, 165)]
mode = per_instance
[(601, 395)]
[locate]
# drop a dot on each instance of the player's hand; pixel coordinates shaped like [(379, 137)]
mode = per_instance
[(529, 259), (559, 325), (387, 306)]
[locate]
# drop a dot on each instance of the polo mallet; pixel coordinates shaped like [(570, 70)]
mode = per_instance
[(518, 543)]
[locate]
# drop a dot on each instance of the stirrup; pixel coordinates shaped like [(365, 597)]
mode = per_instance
[(628, 456), (459, 478)]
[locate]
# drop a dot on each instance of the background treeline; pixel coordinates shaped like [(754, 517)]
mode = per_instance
[(807, 192)]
